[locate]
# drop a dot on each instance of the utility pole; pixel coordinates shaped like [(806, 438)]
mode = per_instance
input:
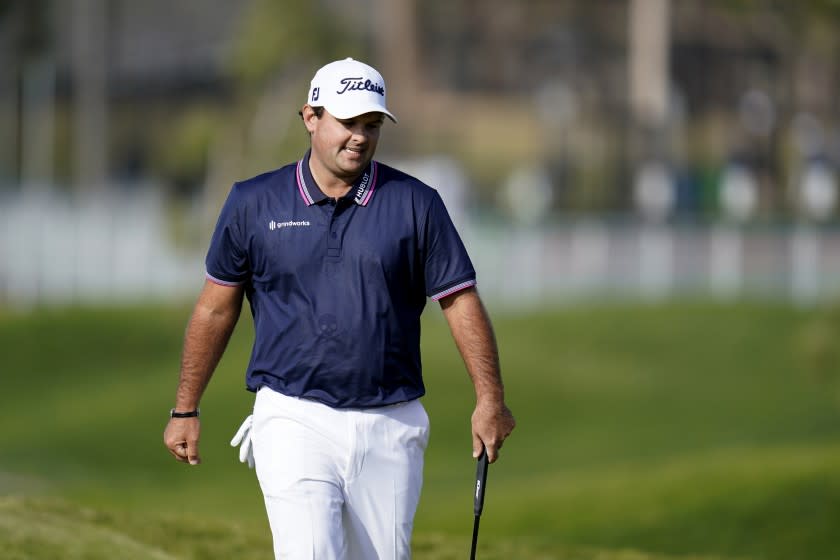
[(395, 34), (89, 59), (649, 40), (649, 154)]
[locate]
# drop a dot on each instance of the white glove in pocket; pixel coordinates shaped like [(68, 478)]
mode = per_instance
[(243, 440)]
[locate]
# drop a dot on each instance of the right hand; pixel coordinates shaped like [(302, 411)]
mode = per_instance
[(492, 423), (181, 438)]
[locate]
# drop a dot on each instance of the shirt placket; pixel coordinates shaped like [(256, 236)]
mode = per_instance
[(334, 231)]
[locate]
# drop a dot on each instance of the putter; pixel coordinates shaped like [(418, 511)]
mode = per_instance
[(478, 504)]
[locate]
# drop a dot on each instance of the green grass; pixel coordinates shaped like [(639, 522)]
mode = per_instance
[(645, 432)]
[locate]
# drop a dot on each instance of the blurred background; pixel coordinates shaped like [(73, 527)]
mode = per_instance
[(631, 149), (648, 189)]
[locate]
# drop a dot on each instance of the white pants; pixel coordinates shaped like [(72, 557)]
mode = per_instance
[(339, 484)]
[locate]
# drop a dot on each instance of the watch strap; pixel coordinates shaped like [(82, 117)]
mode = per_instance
[(189, 414)]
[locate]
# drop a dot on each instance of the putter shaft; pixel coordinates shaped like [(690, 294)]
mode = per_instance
[(478, 502), (474, 537)]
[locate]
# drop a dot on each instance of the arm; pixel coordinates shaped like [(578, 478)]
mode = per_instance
[(214, 317), (492, 421)]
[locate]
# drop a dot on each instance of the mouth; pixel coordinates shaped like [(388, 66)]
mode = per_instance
[(354, 151)]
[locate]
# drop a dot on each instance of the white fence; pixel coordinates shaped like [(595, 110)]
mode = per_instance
[(107, 249), (595, 259), (90, 250)]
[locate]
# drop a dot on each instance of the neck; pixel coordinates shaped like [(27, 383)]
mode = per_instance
[(330, 184)]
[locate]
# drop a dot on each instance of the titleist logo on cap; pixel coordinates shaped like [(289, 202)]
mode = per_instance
[(349, 88), (356, 84)]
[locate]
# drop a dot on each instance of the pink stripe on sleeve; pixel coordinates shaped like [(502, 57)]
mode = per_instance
[(222, 282), (453, 289)]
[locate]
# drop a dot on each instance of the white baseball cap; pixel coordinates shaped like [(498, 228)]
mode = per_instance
[(348, 88)]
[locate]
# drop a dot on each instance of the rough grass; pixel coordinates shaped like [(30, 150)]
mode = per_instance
[(44, 529), (646, 432)]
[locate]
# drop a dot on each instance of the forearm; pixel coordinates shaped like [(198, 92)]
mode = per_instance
[(492, 421), (206, 338), (473, 334)]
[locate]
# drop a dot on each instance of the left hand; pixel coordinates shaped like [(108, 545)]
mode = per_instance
[(492, 423), (242, 438)]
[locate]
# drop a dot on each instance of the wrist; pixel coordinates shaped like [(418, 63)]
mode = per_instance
[(490, 396), (176, 413)]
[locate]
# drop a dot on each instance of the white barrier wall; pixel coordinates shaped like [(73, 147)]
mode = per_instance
[(99, 249), (591, 259), (119, 248)]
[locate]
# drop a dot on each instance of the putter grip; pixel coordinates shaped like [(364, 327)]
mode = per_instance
[(480, 482)]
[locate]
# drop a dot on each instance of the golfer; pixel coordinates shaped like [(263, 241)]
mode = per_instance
[(337, 255)]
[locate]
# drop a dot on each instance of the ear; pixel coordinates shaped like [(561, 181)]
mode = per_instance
[(309, 118)]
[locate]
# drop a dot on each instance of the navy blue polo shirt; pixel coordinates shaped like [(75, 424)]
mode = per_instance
[(336, 287)]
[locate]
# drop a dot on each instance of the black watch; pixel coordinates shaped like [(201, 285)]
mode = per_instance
[(191, 414)]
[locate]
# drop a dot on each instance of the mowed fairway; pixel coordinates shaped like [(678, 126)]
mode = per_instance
[(646, 432)]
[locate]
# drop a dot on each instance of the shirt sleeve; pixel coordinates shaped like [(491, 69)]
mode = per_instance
[(227, 260), (448, 267)]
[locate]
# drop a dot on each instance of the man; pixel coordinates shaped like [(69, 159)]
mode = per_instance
[(337, 254)]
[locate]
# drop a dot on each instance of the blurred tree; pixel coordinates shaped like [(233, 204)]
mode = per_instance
[(274, 49), (25, 54), (275, 35), (185, 159)]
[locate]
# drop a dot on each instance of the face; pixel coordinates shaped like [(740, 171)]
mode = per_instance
[(343, 147)]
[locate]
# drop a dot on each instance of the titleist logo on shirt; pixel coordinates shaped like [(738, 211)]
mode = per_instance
[(356, 84), (272, 225)]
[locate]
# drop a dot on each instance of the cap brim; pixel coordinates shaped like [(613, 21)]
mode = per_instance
[(360, 110)]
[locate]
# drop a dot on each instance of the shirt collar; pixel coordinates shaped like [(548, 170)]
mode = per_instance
[(361, 192)]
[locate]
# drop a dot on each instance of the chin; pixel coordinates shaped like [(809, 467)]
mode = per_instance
[(356, 163)]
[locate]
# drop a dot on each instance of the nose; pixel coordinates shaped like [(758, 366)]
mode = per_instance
[(360, 132)]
